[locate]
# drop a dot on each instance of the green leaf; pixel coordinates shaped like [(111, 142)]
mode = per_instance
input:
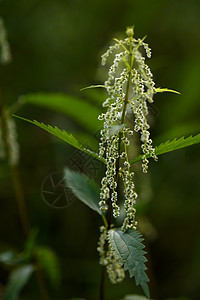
[(93, 87), (64, 136), (127, 245), (49, 263), (161, 90), (81, 111), (84, 188), (169, 146), (17, 280)]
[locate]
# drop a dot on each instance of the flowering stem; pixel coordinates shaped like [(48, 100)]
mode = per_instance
[(122, 122), (124, 109), (108, 224)]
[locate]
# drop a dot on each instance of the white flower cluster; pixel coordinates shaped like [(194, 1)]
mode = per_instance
[(5, 55), (129, 83), (109, 259)]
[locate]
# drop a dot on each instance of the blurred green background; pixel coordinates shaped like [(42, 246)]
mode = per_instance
[(56, 47)]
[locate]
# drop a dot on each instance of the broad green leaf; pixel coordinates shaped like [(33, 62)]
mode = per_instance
[(84, 188), (17, 280), (81, 111), (161, 90), (49, 263), (127, 245), (64, 136), (169, 146)]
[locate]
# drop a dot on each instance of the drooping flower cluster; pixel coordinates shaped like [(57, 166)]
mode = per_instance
[(109, 259), (129, 84)]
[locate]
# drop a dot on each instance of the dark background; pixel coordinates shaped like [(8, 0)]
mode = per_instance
[(56, 47)]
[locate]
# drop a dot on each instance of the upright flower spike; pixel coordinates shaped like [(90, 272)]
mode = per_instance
[(129, 84)]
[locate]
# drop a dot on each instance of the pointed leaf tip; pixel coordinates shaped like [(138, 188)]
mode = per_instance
[(64, 136), (127, 245), (92, 87), (162, 90), (169, 146)]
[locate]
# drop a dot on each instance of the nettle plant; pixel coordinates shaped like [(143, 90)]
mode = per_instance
[(130, 87)]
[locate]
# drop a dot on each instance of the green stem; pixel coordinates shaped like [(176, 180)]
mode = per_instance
[(23, 213), (108, 224), (120, 134), (124, 109), (105, 221)]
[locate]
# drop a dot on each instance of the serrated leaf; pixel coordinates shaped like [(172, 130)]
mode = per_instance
[(162, 90), (169, 146), (49, 263), (17, 280), (64, 136), (127, 245), (81, 111), (84, 188)]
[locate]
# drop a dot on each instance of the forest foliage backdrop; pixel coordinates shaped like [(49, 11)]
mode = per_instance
[(56, 47)]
